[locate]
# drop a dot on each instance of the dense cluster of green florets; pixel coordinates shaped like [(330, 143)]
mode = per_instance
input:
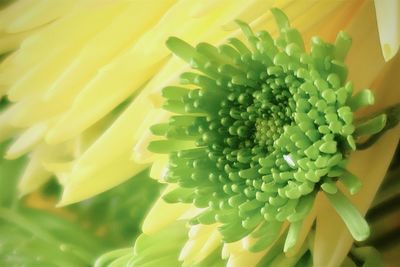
[(260, 130)]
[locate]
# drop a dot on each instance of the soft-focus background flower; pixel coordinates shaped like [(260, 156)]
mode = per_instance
[(80, 82)]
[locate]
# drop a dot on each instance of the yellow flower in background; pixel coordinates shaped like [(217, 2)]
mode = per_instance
[(84, 82)]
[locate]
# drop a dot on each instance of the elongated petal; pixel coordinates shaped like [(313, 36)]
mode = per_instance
[(388, 17), (162, 214), (26, 141), (34, 176), (29, 17), (203, 240), (92, 180)]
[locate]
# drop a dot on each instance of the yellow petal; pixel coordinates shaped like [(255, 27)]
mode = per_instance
[(163, 214), (26, 141), (212, 243), (6, 130), (244, 258), (115, 38), (94, 179), (304, 233), (117, 139), (159, 168), (388, 17), (11, 41), (13, 10), (203, 240), (33, 176), (57, 35), (42, 73), (364, 60), (40, 13), (335, 19)]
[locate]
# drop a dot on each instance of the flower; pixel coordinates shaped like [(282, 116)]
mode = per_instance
[(236, 148), (267, 129), (73, 126)]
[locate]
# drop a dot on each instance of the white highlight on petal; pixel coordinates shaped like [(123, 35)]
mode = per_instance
[(289, 160)]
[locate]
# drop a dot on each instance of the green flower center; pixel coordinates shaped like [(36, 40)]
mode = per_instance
[(260, 131), (274, 106)]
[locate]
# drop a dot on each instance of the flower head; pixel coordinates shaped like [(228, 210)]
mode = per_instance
[(260, 130)]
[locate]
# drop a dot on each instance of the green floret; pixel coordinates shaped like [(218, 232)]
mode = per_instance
[(259, 130)]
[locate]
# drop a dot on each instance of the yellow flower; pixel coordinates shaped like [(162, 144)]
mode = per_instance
[(84, 87)]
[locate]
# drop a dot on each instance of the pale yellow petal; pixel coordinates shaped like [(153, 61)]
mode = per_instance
[(364, 60), (163, 214), (14, 10), (10, 42), (23, 114), (43, 72), (213, 242), (388, 18), (317, 10), (244, 258), (124, 132), (334, 19), (117, 139), (26, 141), (159, 168), (85, 140), (40, 13), (304, 233), (94, 179), (6, 130), (99, 51), (33, 176), (203, 240), (57, 35)]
